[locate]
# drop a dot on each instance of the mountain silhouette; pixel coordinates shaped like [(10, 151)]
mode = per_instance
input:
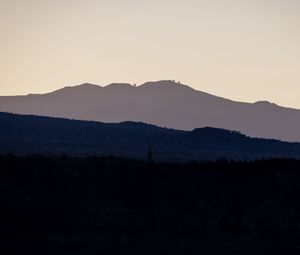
[(162, 103), (21, 134)]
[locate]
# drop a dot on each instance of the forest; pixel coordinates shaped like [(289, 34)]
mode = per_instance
[(26, 134), (112, 205)]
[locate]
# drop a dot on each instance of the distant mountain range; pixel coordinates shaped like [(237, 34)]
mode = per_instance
[(20, 134), (163, 103)]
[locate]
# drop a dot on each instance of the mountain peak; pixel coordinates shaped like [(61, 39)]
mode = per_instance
[(119, 85), (82, 86), (165, 84), (85, 87), (86, 84), (265, 103), (161, 83)]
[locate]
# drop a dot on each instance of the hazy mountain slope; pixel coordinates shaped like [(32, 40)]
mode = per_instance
[(30, 134), (163, 103)]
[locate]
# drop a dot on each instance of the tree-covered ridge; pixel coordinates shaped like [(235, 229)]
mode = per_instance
[(23, 134)]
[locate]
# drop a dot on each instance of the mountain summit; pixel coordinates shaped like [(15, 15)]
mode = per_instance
[(164, 103)]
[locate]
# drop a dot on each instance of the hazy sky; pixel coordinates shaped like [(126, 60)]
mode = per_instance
[(246, 50)]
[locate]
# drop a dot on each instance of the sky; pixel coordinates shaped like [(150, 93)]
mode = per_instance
[(245, 50)]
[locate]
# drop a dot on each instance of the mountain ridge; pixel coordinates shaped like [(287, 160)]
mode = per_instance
[(29, 134), (163, 103)]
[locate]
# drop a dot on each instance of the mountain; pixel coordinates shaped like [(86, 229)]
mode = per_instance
[(163, 103), (21, 134)]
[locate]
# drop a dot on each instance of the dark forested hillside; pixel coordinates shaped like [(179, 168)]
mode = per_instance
[(22, 135), (63, 205)]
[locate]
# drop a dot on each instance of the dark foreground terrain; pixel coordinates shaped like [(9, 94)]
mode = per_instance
[(63, 205)]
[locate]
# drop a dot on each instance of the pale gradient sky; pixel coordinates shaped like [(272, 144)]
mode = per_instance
[(245, 50)]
